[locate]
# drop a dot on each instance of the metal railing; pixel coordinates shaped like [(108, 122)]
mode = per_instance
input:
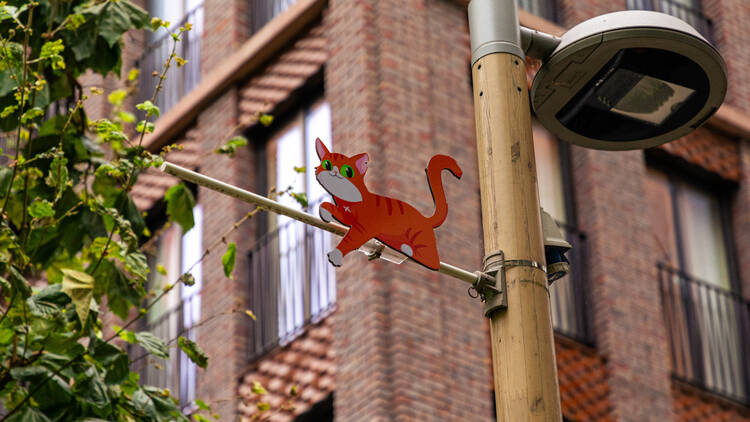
[(179, 80), (569, 296), (709, 329), (177, 373), (546, 9), (691, 15), (291, 283), (262, 11)]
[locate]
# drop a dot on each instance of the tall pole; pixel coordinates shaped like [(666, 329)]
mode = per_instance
[(523, 356)]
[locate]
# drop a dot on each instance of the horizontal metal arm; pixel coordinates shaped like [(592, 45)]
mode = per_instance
[(271, 205)]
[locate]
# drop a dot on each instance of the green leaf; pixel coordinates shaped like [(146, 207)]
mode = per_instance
[(149, 108), (113, 359), (48, 302), (300, 197), (200, 418), (227, 261), (263, 406), (31, 114), (152, 344), (91, 389), (202, 405), (79, 286), (41, 209), (161, 270), (55, 389), (58, 174), (180, 203), (117, 96), (265, 119), (143, 125), (257, 388), (300, 169), (193, 351), (136, 264), (126, 116), (28, 414), (231, 146), (19, 283)]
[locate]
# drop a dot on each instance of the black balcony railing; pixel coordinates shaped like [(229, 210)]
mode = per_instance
[(691, 15), (569, 295), (546, 9), (179, 80), (291, 283), (709, 328), (262, 11), (177, 373)]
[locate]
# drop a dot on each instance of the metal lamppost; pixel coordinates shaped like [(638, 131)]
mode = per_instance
[(620, 81)]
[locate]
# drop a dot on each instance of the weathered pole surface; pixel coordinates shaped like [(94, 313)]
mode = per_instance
[(523, 356)]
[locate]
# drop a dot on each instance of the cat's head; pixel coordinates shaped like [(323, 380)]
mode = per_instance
[(342, 176)]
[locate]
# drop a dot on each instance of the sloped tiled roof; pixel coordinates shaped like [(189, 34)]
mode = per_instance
[(584, 393), (307, 362), (692, 405), (280, 78), (261, 93), (711, 151)]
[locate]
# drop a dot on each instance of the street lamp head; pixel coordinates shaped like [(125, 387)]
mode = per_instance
[(628, 80)]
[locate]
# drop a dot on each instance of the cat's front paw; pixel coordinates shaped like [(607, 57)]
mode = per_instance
[(326, 215), (335, 257)]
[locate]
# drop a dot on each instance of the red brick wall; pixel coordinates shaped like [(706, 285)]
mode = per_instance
[(626, 311), (412, 344), (741, 219)]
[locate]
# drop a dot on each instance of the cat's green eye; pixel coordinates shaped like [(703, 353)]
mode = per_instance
[(326, 164), (347, 171)]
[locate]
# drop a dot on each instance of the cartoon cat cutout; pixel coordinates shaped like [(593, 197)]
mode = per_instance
[(368, 215)]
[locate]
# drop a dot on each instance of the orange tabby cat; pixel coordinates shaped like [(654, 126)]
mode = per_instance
[(393, 222)]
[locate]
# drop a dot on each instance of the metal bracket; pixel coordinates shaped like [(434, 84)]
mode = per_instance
[(491, 286)]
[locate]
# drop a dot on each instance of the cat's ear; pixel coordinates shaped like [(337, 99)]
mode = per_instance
[(320, 148), (361, 162)]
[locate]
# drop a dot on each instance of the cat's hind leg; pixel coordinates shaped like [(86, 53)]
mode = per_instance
[(421, 246)]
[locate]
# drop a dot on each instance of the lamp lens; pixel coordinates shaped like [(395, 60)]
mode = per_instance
[(640, 93)]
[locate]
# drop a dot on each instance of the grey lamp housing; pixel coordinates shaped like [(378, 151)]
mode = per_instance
[(628, 80)]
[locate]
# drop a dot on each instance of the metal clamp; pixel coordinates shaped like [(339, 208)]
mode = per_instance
[(491, 286)]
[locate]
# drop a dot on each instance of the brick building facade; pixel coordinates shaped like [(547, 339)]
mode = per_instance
[(641, 328)]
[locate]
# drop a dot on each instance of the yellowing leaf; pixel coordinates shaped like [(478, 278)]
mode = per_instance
[(250, 313), (79, 286), (257, 388)]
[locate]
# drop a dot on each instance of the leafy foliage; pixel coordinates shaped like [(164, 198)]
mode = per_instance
[(67, 220)]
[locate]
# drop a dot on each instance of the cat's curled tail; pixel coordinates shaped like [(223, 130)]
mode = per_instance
[(436, 165)]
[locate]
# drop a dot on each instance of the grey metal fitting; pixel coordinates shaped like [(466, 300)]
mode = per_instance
[(538, 45), (493, 27)]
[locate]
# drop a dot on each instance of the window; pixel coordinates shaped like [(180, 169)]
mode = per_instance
[(179, 81), (542, 8), (689, 11), (262, 11), (704, 316), (291, 280), (567, 295), (176, 313)]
